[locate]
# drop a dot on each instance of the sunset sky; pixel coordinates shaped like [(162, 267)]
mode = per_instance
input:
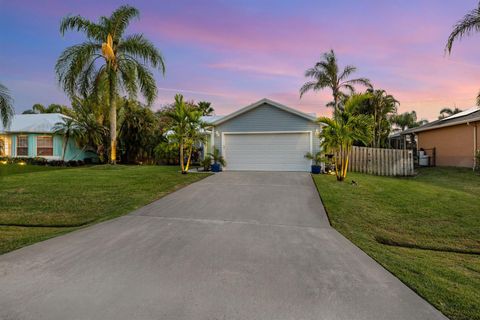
[(233, 53)]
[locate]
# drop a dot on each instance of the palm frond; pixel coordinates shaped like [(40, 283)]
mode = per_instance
[(6, 106), (464, 27), (138, 47), (92, 30), (120, 19)]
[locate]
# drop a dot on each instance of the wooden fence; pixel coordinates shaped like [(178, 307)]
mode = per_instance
[(382, 162)]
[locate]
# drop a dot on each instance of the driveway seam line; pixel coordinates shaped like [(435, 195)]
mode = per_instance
[(220, 221)]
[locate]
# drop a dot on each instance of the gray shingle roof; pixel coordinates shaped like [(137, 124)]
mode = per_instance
[(470, 115)]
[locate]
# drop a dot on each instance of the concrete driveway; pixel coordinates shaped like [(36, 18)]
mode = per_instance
[(251, 245)]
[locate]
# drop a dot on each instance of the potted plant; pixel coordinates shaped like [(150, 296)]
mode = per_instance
[(317, 159), (218, 160), (206, 163)]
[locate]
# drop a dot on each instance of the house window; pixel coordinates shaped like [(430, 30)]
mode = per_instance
[(44, 146), (22, 146)]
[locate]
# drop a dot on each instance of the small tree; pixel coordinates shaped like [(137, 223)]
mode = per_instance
[(69, 129), (347, 126)]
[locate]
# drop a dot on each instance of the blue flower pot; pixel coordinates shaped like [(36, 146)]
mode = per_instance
[(216, 167), (316, 169)]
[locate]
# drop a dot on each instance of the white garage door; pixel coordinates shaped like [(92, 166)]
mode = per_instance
[(267, 152)]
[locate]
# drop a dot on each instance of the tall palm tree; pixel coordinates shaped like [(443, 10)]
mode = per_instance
[(6, 106), (327, 74), (109, 61), (347, 126), (447, 112), (464, 27), (69, 129)]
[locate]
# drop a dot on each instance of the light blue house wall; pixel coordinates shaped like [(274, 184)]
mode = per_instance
[(73, 152), (268, 118)]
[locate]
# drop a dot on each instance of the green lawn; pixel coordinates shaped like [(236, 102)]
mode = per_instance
[(9, 169), (424, 229), (44, 202)]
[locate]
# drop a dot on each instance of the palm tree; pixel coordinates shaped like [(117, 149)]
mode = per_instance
[(382, 107), (407, 120), (347, 126), (447, 112), (464, 27), (326, 74), (52, 108), (109, 62), (195, 133), (6, 106), (69, 129), (179, 124), (206, 108)]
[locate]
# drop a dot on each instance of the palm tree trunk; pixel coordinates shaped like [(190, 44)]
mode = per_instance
[(65, 143), (189, 158), (181, 158), (113, 118)]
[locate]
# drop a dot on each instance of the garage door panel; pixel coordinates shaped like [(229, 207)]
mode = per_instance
[(269, 152)]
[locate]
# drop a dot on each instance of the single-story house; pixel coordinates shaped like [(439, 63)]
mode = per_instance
[(265, 136), (452, 141), (32, 135)]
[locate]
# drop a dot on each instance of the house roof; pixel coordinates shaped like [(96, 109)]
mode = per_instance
[(257, 104), (33, 123), (211, 119), (470, 115)]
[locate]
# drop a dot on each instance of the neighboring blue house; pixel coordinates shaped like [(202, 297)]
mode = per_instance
[(31, 135), (265, 136)]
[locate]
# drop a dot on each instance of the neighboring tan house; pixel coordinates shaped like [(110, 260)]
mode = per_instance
[(455, 139), (265, 136), (31, 135)]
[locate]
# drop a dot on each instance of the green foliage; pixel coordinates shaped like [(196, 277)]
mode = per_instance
[(206, 108), (347, 126), (138, 134), (187, 129), (217, 157), (6, 106), (407, 120), (69, 129), (317, 158), (88, 69), (52, 108), (166, 152), (382, 107), (206, 163), (469, 24), (326, 74), (446, 112)]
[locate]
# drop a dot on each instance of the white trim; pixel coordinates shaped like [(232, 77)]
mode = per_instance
[(212, 140), (310, 133), (258, 104)]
